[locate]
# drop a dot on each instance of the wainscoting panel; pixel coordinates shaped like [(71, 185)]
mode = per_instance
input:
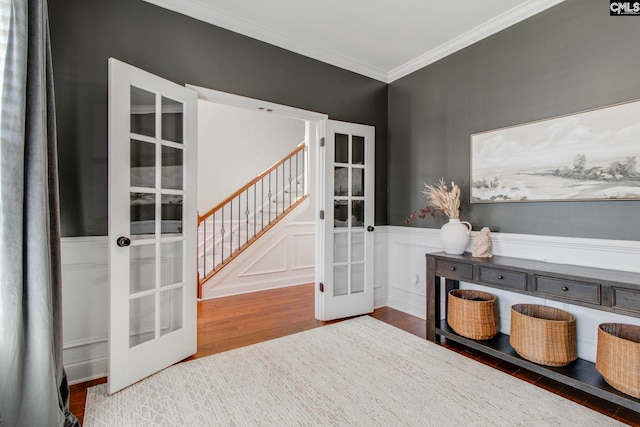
[(301, 257), (407, 247), (284, 258), (271, 260), (85, 296)]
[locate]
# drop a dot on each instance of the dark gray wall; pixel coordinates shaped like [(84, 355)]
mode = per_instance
[(85, 33), (570, 58)]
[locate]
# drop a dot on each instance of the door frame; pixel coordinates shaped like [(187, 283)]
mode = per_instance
[(314, 132), (314, 136)]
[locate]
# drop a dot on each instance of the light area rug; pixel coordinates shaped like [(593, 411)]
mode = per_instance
[(359, 372)]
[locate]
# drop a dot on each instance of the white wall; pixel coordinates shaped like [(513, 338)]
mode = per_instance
[(236, 144), (405, 276)]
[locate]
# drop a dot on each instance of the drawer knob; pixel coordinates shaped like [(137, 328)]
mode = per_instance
[(564, 288), (500, 277), (453, 269)]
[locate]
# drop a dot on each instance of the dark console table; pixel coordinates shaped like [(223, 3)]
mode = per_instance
[(600, 289)]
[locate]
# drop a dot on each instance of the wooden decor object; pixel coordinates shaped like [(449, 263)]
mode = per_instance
[(473, 314), (543, 334), (618, 356)]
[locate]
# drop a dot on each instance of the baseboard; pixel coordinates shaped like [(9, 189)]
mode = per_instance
[(259, 285)]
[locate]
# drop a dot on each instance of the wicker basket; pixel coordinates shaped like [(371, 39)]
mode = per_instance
[(544, 335), (618, 356), (472, 314)]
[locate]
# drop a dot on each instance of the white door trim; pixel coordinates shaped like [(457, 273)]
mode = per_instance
[(314, 131), (232, 100)]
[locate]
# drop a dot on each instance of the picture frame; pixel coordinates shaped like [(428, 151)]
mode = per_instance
[(589, 155)]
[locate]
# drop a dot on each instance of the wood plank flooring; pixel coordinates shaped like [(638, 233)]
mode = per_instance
[(241, 320)]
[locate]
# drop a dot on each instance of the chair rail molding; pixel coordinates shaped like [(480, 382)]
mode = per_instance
[(406, 247)]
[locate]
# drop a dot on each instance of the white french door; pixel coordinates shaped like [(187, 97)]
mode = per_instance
[(152, 224), (345, 270)]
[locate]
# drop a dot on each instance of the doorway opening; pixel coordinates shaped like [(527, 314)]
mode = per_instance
[(238, 139)]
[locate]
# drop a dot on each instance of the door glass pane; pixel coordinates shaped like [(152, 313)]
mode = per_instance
[(171, 258), (171, 303), (142, 320), (342, 148), (142, 268), (171, 214), (357, 246), (143, 161), (143, 215), (341, 181), (340, 213), (171, 120), (341, 247), (340, 280), (357, 278), (357, 214), (143, 112), (358, 150), (357, 182), (172, 168)]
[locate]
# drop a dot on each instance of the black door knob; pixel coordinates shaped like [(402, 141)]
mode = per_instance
[(123, 241), (370, 228)]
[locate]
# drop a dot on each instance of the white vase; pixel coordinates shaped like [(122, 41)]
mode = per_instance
[(454, 236)]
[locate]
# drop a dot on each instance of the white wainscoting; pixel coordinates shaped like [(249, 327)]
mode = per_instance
[(400, 280), (406, 281), (285, 257), (85, 301)]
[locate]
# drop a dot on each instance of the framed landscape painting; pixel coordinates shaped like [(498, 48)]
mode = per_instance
[(590, 155)]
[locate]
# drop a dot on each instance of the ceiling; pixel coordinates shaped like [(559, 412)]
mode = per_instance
[(381, 39)]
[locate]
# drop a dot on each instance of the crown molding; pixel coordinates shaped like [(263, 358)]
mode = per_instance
[(485, 30), (206, 13), (200, 10)]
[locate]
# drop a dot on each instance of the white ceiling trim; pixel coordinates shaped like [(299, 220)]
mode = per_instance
[(207, 13), (470, 37), (212, 15)]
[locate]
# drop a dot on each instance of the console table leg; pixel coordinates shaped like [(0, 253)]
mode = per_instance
[(433, 299)]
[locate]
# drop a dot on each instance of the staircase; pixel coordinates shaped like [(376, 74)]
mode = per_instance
[(242, 218)]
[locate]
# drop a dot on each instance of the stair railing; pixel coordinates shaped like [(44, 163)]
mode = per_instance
[(234, 224)]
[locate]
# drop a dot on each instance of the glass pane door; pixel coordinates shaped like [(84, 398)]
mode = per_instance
[(347, 260), (348, 217), (152, 224), (156, 212)]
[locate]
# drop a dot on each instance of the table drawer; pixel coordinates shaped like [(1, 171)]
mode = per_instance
[(504, 278), (454, 270), (568, 289), (626, 299)]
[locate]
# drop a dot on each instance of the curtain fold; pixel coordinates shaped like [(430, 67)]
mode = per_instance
[(33, 385)]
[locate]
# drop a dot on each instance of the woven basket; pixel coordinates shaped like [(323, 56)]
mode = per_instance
[(618, 356), (544, 335), (472, 314)]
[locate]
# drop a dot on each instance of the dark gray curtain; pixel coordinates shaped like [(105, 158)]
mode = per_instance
[(33, 385)]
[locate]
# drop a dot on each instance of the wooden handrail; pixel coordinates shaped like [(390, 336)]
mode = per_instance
[(219, 206)]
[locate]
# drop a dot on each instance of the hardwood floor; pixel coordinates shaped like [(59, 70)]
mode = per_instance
[(237, 321)]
